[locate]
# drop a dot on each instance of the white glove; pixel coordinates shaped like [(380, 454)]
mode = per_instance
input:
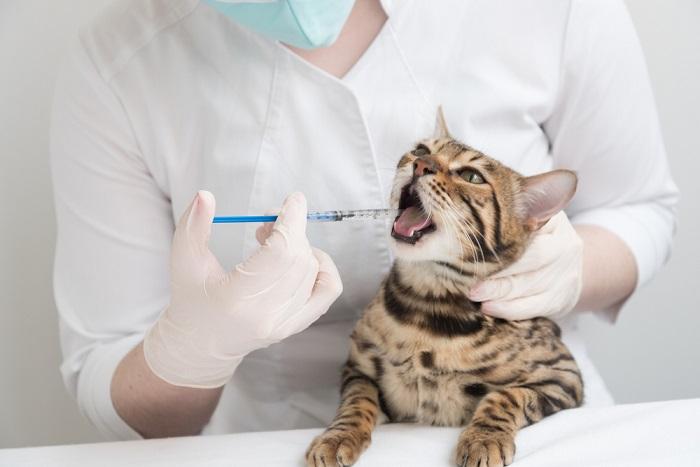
[(216, 317), (545, 281)]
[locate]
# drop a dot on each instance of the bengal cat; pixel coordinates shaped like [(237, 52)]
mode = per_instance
[(423, 352)]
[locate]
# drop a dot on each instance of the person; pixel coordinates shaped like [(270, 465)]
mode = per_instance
[(171, 327)]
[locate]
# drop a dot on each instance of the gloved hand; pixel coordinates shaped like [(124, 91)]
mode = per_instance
[(545, 281), (216, 317)]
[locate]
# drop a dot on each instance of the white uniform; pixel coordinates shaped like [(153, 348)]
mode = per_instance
[(161, 98)]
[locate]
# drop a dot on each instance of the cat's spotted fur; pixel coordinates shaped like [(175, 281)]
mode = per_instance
[(423, 352)]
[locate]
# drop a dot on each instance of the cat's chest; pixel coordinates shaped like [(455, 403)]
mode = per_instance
[(416, 388)]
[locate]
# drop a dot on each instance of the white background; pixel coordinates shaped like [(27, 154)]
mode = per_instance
[(652, 353)]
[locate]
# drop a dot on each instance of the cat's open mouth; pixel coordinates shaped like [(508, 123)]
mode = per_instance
[(413, 222)]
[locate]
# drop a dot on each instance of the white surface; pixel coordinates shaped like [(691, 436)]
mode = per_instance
[(652, 434), (652, 353), (129, 149)]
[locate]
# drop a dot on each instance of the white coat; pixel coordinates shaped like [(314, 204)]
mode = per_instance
[(161, 98)]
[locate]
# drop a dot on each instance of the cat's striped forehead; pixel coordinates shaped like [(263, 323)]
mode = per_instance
[(453, 155)]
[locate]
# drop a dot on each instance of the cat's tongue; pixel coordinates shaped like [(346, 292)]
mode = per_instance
[(411, 220)]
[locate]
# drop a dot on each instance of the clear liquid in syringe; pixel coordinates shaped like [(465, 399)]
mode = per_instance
[(356, 214)]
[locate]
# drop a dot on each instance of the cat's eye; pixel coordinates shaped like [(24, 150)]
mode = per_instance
[(421, 150), (472, 177)]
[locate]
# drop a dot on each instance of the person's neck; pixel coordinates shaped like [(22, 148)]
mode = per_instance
[(363, 25)]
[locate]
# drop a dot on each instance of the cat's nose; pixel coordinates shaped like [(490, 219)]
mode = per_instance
[(423, 166)]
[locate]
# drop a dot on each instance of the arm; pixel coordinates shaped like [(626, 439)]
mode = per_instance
[(609, 270), (112, 274), (147, 403), (124, 272), (604, 126)]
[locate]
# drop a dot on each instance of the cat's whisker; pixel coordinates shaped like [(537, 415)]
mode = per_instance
[(464, 233), (449, 212), (470, 232), (470, 235), (475, 231), (449, 220), (486, 242), (457, 230), (476, 240), (452, 225)]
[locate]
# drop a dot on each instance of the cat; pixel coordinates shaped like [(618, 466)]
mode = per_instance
[(422, 351)]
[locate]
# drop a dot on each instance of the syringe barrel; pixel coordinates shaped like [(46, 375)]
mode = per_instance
[(325, 216), (356, 214)]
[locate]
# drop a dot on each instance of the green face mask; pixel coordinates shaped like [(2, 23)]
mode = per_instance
[(302, 23)]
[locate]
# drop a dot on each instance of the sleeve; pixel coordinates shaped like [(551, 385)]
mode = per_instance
[(605, 127), (111, 271)]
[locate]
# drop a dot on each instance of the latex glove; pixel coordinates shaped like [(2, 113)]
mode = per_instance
[(216, 317), (545, 281)]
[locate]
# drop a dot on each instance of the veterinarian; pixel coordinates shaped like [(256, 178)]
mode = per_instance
[(169, 328)]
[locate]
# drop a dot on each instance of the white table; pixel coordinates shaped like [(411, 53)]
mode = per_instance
[(656, 434)]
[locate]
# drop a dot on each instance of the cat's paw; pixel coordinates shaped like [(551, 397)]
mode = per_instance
[(337, 448), (485, 450)]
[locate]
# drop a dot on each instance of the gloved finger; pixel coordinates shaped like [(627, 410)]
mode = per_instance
[(327, 288), (281, 311), (279, 302), (541, 252), (299, 292), (271, 265), (265, 230), (492, 289), (328, 285), (194, 226), (553, 223), (509, 287), (290, 227), (185, 217), (269, 274), (285, 242), (518, 309)]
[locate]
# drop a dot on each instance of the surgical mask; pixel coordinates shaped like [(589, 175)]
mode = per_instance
[(302, 23)]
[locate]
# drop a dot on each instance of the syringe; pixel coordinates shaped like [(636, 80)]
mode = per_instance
[(318, 216)]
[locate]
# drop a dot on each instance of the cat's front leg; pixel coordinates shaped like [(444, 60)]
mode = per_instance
[(489, 439), (351, 431)]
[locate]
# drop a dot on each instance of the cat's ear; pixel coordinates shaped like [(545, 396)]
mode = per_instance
[(544, 195), (441, 130)]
